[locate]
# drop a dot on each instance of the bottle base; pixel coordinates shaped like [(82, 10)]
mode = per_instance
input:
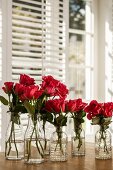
[(57, 160), (34, 161), (14, 158), (78, 154), (103, 157)]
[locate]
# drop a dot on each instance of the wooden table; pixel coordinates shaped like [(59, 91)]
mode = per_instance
[(87, 162)]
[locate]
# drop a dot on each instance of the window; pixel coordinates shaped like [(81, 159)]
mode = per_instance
[(81, 56), (80, 49)]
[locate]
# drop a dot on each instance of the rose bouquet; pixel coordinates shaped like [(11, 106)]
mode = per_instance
[(35, 98), (15, 107), (58, 139), (101, 114), (76, 108), (50, 88)]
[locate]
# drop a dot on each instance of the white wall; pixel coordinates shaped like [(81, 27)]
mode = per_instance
[(5, 8), (104, 49)]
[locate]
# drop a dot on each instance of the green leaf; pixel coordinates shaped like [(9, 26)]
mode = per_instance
[(64, 121), (107, 121), (49, 117), (61, 120), (95, 120), (83, 114), (20, 108), (29, 107), (3, 100), (81, 120)]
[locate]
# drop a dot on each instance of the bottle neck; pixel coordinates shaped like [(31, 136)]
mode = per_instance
[(15, 117), (77, 125), (103, 127), (58, 129), (34, 120)]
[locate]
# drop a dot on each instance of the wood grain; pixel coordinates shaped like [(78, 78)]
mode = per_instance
[(87, 162)]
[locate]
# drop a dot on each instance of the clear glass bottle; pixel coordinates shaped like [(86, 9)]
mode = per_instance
[(33, 142), (58, 146), (78, 141), (103, 149), (14, 142)]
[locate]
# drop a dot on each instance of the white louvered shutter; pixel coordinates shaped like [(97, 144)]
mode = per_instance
[(39, 38)]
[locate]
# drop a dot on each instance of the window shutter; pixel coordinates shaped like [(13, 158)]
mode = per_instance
[(39, 38)]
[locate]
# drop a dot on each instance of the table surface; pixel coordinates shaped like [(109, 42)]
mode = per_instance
[(87, 162)]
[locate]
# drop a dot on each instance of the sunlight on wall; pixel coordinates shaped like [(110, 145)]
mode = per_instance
[(108, 63)]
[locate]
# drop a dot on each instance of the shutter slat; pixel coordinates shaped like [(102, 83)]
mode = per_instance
[(25, 24), (20, 53), (19, 35), (15, 40), (21, 12), (27, 7), (25, 18), (31, 2)]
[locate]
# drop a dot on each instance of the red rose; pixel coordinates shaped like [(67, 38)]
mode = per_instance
[(53, 87), (22, 97), (37, 94), (80, 105), (61, 90), (49, 85), (55, 106), (8, 87), (75, 105), (19, 89), (107, 109), (70, 106), (94, 108), (31, 92), (26, 80), (89, 116)]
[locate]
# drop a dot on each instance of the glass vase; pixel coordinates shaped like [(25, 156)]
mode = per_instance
[(78, 141), (58, 146), (33, 142), (14, 142), (103, 149)]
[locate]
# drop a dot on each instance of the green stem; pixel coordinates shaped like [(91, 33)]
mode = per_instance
[(29, 147), (45, 141), (103, 137), (78, 130), (59, 142), (14, 139), (42, 154), (9, 141)]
